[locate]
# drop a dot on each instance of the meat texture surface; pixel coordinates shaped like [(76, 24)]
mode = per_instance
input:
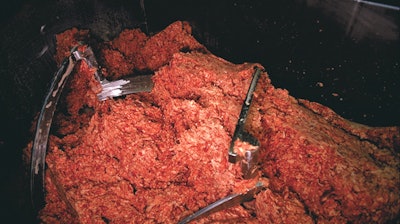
[(158, 157)]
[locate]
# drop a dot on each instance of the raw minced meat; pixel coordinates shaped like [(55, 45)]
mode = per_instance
[(158, 157)]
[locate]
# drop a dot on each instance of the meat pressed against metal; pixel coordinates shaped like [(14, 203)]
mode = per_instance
[(158, 157)]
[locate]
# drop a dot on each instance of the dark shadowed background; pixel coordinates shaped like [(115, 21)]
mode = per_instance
[(344, 54)]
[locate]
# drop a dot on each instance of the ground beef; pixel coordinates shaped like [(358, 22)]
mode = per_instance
[(338, 176), (158, 157)]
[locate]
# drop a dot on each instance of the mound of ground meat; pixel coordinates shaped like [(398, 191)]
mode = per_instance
[(157, 157)]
